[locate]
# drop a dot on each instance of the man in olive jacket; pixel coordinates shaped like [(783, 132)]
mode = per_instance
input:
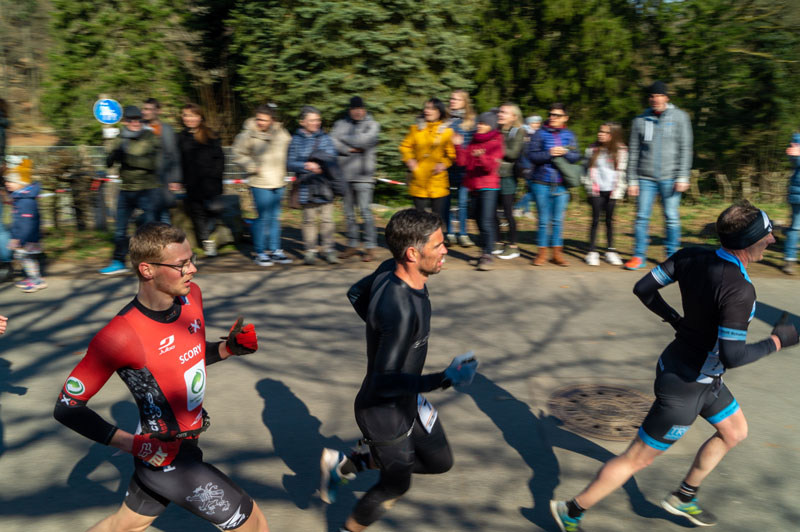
[(138, 151), (356, 139)]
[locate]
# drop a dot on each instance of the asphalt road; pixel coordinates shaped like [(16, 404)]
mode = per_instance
[(534, 331)]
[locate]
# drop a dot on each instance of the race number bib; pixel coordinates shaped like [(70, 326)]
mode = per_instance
[(426, 412)]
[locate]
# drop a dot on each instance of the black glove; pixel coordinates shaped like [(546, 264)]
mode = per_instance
[(785, 331)]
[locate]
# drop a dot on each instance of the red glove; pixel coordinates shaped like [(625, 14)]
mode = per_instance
[(241, 340), (155, 452)]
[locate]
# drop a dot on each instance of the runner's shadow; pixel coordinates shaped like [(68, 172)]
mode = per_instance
[(297, 441), (534, 438), (7, 387)]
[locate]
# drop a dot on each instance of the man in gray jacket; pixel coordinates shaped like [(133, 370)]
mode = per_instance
[(659, 162), (356, 138), (169, 165)]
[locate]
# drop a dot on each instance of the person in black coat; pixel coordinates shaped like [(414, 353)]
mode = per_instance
[(203, 164)]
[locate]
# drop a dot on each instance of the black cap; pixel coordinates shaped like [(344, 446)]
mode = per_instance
[(658, 87), (489, 118), (132, 111), (356, 102)]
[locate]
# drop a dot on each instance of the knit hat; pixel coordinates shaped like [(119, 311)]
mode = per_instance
[(489, 118), (356, 102), (132, 111), (534, 119), (658, 87), (22, 173)]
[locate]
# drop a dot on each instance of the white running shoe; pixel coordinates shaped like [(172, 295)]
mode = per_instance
[(613, 258), (593, 258)]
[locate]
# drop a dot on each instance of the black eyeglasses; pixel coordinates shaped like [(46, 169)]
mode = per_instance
[(183, 268), (556, 114)]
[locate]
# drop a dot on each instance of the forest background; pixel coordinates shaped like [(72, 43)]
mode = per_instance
[(734, 65)]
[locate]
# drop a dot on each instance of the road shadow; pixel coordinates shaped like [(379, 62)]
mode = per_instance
[(534, 438), (6, 386), (297, 440)]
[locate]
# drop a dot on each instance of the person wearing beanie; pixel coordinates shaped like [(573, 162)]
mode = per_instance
[(356, 140), (462, 122), (137, 151), (552, 141), (481, 159), (793, 231), (718, 299), (25, 224), (659, 163)]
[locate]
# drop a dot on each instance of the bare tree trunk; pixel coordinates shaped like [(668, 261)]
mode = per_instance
[(724, 186)]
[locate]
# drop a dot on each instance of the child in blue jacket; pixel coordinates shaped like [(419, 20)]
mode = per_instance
[(25, 226)]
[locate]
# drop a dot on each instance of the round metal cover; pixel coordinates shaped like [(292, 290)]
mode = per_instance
[(604, 412)]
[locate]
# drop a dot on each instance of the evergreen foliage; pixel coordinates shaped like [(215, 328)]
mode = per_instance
[(392, 53)]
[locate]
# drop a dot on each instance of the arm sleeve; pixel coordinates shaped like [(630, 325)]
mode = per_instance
[(107, 353), (212, 353), (647, 291), (573, 155), (397, 324), (361, 292), (339, 139), (734, 320), (366, 137), (633, 154), (241, 153), (407, 146), (685, 143), (218, 157), (295, 162), (514, 147), (536, 150)]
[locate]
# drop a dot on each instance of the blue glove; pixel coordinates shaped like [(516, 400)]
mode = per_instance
[(461, 370)]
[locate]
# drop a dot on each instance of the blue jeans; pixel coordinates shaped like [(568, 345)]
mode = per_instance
[(486, 212), (463, 200), (268, 205), (524, 203), (792, 234), (5, 236), (359, 195), (670, 201), (551, 201), (127, 202)]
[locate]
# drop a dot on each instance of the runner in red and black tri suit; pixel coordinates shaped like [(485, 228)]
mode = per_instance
[(157, 345)]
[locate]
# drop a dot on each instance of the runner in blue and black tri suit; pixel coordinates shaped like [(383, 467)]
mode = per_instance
[(400, 427), (718, 303)]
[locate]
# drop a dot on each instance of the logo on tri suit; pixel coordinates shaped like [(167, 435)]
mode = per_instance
[(74, 386), (210, 498), (166, 345), (195, 379), (195, 326), (419, 343)]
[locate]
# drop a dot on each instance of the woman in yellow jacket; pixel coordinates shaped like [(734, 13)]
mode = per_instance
[(428, 151)]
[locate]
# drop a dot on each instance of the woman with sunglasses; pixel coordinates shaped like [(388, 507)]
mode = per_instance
[(552, 140)]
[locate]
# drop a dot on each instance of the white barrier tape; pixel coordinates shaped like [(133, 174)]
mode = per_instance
[(391, 181)]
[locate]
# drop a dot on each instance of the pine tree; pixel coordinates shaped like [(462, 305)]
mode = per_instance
[(393, 53)]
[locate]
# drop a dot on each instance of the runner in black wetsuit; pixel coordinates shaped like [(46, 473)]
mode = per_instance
[(400, 427), (718, 302), (157, 346)]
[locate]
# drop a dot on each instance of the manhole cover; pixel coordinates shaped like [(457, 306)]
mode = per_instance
[(605, 412)]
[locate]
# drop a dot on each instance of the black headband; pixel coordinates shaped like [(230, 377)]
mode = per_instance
[(760, 227)]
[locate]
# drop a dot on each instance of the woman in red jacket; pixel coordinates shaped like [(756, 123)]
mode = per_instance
[(481, 158)]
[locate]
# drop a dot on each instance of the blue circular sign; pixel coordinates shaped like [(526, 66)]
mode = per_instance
[(107, 111)]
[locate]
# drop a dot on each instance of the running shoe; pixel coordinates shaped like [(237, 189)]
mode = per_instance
[(34, 286), (789, 267), (612, 257), (635, 263), (279, 257), (690, 510), (310, 258), (23, 283), (331, 478), (115, 268), (465, 242), (563, 520), (263, 259), (451, 239), (210, 248), (331, 258), (498, 249), (509, 252), (593, 258)]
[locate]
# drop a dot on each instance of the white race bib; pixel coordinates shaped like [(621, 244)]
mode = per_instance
[(426, 412)]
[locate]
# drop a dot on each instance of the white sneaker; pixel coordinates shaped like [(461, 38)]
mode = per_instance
[(280, 257), (210, 248), (451, 239), (593, 258), (263, 259), (613, 258)]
